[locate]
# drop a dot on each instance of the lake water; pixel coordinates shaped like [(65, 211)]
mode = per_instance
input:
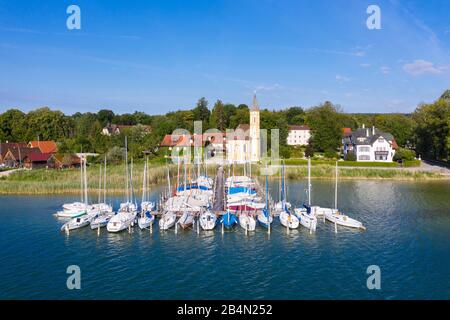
[(407, 236)]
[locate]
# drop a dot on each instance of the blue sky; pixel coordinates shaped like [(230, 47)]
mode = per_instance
[(158, 56)]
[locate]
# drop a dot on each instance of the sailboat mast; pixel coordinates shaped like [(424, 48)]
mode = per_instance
[(144, 182), (127, 176), (335, 187), (131, 181), (85, 183), (100, 184), (104, 184), (81, 179), (309, 181), (185, 176)]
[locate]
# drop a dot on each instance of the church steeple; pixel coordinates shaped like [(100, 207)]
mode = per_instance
[(255, 106)]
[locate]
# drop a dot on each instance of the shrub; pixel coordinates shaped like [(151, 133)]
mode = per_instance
[(309, 151), (350, 156), (330, 154), (404, 155)]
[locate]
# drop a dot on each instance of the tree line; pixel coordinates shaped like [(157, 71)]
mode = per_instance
[(426, 130)]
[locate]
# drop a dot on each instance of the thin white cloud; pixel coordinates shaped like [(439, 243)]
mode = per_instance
[(342, 79), (271, 87), (365, 65), (385, 70), (420, 67)]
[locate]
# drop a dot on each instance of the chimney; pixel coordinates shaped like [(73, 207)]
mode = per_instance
[(367, 132), (373, 130)]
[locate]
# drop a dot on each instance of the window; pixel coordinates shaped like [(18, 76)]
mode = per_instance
[(364, 158), (364, 149)]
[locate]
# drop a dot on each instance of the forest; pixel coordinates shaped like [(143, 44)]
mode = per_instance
[(425, 131)]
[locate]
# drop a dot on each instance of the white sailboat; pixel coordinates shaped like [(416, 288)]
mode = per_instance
[(264, 217), (106, 212), (208, 220), (338, 218), (168, 218), (85, 219), (146, 218), (287, 219), (247, 222), (186, 220), (306, 215), (125, 217)]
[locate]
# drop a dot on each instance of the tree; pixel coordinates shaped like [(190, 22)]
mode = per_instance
[(432, 129), (12, 126), (201, 112), (295, 115), (105, 116), (45, 124), (218, 120), (325, 126)]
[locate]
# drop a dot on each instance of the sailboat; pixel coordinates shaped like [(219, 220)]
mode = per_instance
[(286, 218), (186, 220), (229, 220), (306, 215), (106, 212), (338, 218), (168, 218), (84, 219), (247, 222), (264, 217), (208, 220), (146, 218), (126, 215)]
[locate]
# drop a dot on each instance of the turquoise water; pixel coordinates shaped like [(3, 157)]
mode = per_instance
[(407, 237)]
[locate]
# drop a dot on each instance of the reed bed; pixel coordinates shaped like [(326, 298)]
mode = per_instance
[(67, 181)]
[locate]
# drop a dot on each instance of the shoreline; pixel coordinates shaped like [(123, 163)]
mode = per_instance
[(42, 182)]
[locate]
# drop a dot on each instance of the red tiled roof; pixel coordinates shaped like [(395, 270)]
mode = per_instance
[(346, 130), (4, 147), (38, 157), (44, 146), (299, 127), (394, 144)]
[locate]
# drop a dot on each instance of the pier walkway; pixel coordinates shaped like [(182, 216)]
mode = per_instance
[(218, 204)]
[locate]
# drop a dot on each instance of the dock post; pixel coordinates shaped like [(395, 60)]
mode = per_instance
[(222, 228), (176, 227), (129, 229), (268, 228), (198, 226), (98, 230), (335, 227), (151, 227), (67, 230)]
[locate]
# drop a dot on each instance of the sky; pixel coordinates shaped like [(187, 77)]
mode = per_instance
[(163, 55)]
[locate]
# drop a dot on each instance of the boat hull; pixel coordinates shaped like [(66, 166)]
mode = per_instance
[(289, 220)]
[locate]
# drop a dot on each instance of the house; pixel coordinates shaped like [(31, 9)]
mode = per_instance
[(114, 129), (4, 148), (44, 146), (67, 161), (36, 160), (15, 156), (298, 135), (370, 144), (244, 144), (241, 145)]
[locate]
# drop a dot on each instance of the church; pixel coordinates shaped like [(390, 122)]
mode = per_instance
[(244, 143)]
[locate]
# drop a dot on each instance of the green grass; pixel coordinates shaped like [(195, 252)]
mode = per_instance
[(303, 162)]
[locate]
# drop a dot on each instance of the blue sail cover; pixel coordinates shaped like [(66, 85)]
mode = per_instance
[(234, 190), (308, 208), (189, 187), (229, 219)]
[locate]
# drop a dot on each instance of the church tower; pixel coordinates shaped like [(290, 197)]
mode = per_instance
[(255, 143)]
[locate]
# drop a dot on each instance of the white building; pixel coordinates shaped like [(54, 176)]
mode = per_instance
[(298, 135), (370, 144), (244, 143)]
